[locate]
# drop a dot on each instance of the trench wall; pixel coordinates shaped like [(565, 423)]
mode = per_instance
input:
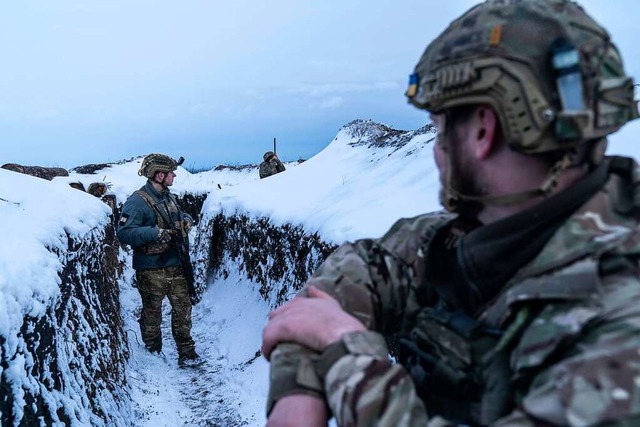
[(280, 258), (68, 365)]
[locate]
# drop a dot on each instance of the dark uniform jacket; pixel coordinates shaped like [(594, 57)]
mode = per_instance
[(137, 227), (533, 320)]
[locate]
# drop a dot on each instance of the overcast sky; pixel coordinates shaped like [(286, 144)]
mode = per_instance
[(96, 81)]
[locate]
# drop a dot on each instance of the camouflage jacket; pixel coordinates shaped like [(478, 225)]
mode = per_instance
[(271, 168), (569, 322)]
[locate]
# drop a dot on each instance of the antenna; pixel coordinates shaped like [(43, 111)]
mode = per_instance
[(274, 144)]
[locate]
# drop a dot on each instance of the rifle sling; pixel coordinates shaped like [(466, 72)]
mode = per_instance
[(154, 206)]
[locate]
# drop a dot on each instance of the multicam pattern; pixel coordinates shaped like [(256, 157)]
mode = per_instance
[(154, 285), (498, 53), (571, 322), (154, 163), (271, 168)]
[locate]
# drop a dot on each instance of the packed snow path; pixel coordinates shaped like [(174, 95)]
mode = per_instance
[(228, 389)]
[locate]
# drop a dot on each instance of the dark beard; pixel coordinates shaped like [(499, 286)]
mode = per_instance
[(462, 181)]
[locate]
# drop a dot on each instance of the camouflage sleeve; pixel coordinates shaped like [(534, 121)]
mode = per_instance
[(186, 216), (280, 166), (592, 379), (585, 359), (264, 170), (364, 388), (370, 282)]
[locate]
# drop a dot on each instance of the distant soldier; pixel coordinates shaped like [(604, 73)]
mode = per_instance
[(521, 306), (147, 224), (271, 165), (97, 189)]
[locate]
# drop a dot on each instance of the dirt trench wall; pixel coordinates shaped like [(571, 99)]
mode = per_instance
[(279, 258), (192, 204), (68, 366)]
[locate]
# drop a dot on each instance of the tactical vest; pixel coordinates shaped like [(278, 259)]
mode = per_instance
[(463, 368), (454, 362), (167, 216)]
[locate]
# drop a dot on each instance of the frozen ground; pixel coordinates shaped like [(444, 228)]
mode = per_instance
[(229, 388)]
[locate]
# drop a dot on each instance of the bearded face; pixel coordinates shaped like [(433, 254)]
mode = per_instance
[(456, 163)]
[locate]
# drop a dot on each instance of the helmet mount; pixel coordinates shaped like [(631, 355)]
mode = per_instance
[(154, 163), (549, 71)]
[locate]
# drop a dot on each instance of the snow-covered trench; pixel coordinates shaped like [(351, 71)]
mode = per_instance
[(71, 353), (256, 245), (65, 365), (69, 309), (244, 267)]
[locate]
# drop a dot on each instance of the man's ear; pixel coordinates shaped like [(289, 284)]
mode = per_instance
[(486, 131)]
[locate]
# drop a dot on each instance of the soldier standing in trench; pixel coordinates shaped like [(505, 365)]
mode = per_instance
[(521, 307), (146, 225)]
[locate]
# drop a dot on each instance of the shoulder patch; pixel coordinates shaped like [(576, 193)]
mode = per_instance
[(123, 219)]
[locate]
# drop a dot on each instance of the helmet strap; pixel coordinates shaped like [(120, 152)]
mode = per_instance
[(454, 198)]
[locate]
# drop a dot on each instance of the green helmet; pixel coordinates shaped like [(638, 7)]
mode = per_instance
[(549, 71), (158, 163), (268, 155)]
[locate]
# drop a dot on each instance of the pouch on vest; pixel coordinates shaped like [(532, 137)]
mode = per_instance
[(446, 355), (152, 248)]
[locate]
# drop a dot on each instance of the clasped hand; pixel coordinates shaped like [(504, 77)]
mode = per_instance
[(315, 321), (165, 235)]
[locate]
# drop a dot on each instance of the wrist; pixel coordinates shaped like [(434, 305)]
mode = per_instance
[(293, 372), (361, 342), (333, 336), (330, 355)]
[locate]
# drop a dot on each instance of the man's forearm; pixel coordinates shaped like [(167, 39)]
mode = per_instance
[(292, 372), (365, 388), (347, 276)]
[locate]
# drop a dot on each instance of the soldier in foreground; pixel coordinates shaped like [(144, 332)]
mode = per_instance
[(271, 165), (154, 226), (521, 306)]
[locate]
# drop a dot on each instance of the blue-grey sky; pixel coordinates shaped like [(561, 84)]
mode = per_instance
[(95, 81)]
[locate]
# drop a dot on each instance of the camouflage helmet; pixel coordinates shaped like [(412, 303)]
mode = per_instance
[(268, 155), (549, 71), (158, 163)]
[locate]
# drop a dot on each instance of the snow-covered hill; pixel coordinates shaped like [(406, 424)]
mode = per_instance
[(366, 178)]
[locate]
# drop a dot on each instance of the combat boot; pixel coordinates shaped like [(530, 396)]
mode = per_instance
[(154, 346), (189, 358), (154, 349)]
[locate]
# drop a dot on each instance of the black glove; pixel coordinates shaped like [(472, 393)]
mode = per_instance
[(165, 235)]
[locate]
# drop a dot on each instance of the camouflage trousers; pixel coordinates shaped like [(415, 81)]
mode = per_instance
[(154, 285)]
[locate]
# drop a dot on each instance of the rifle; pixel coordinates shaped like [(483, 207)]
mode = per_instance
[(180, 240), (185, 259)]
